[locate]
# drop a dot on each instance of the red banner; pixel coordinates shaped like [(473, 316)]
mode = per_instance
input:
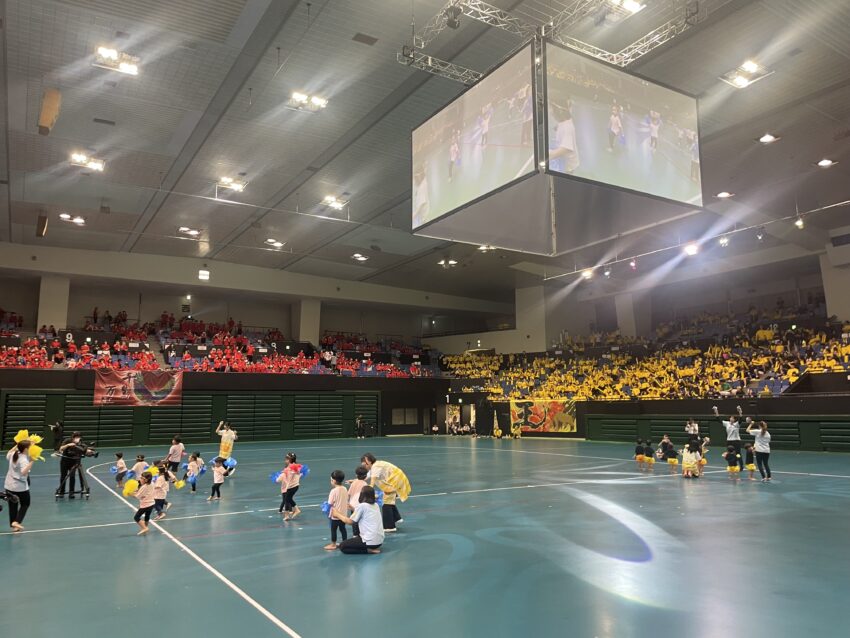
[(132, 387)]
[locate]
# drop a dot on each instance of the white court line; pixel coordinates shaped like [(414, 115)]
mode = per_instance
[(265, 612)]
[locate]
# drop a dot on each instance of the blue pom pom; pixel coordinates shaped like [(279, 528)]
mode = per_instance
[(305, 470), (114, 469), (185, 466), (274, 476), (379, 497), (131, 474), (203, 470), (229, 463), (192, 480), (326, 508)]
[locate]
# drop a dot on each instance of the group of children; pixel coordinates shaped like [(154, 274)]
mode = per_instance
[(693, 455)]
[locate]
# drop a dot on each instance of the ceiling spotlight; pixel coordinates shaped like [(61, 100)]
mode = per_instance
[(587, 273), (745, 75), (760, 234), (691, 249), (447, 263), (799, 223), (188, 297), (81, 159), (633, 264), (278, 244), (204, 274), (826, 163), (452, 14), (725, 195), (723, 241), (193, 232), (231, 184), (607, 273), (115, 60), (270, 240), (768, 138), (64, 216), (334, 202), (359, 257), (79, 221), (486, 248), (299, 101), (632, 6), (183, 229)]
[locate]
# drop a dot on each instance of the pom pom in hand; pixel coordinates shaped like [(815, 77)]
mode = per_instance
[(185, 466), (203, 470), (113, 469), (192, 480), (229, 463), (326, 508), (35, 452), (131, 474), (304, 471), (153, 469), (22, 435), (274, 476), (379, 497), (130, 486), (179, 485)]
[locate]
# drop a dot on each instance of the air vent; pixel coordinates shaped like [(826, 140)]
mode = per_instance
[(362, 38), (98, 120), (840, 240)]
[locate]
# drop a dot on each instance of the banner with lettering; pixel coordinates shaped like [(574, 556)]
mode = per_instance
[(134, 387), (542, 416)]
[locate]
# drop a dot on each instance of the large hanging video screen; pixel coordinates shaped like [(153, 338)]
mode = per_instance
[(480, 142), (613, 127)]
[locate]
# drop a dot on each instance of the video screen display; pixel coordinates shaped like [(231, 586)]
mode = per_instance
[(477, 144), (612, 127)]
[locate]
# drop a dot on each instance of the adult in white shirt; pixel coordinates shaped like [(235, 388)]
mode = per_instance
[(762, 448), (367, 515), (565, 141), (16, 484), (692, 428), (733, 433)]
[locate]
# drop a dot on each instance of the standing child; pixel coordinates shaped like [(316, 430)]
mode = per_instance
[(731, 455), (175, 454), (354, 494), (749, 460), (139, 467), (703, 451), (193, 471), (639, 457), (338, 500), (121, 469), (219, 472), (690, 459), (672, 457), (290, 480), (146, 502), (160, 491)]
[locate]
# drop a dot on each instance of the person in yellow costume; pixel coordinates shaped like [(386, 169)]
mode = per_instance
[(228, 436), (392, 482)]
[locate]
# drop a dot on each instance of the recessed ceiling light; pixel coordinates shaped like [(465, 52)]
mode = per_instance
[(183, 229), (633, 264), (486, 248), (359, 257), (750, 67), (723, 241), (607, 272), (193, 232), (114, 60), (826, 163), (278, 244), (748, 73), (725, 195), (270, 240), (691, 249), (189, 297), (79, 221), (81, 159), (799, 223), (768, 138), (302, 102), (64, 216), (740, 81), (587, 273), (334, 202), (632, 6), (447, 263), (204, 274), (231, 184)]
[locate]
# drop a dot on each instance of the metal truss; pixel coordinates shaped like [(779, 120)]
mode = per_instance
[(576, 12), (476, 10), (425, 62)]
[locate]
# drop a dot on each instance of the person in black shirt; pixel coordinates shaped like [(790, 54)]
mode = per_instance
[(732, 457), (71, 455), (639, 454), (648, 455), (749, 460)]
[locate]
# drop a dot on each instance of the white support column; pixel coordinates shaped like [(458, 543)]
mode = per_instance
[(836, 288), (306, 315), (626, 321), (53, 301)]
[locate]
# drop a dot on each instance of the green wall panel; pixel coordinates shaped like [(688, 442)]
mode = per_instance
[(22, 411)]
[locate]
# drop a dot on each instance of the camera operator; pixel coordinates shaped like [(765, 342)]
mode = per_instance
[(71, 452)]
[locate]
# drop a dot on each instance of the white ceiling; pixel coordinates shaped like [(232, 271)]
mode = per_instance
[(215, 74)]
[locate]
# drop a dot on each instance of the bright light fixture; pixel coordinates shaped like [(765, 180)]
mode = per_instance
[(193, 232), (768, 138), (633, 264), (334, 202), (81, 159), (301, 98), (115, 60), (607, 272), (486, 248), (632, 6), (723, 241), (302, 102), (188, 297), (799, 223), (79, 221), (587, 273), (826, 163), (359, 257), (232, 184), (691, 249), (725, 195), (447, 263), (740, 81), (750, 67), (64, 216), (746, 74), (204, 274), (183, 229)]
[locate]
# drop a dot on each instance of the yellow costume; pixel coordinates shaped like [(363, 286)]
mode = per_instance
[(388, 478)]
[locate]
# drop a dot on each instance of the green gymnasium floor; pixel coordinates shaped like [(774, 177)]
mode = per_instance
[(532, 538)]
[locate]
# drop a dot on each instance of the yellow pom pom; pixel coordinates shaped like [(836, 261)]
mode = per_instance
[(153, 470), (22, 435), (178, 485), (130, 486), (36, 439), (35, 452)]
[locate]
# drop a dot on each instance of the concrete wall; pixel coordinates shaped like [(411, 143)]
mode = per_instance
[(20, 296)]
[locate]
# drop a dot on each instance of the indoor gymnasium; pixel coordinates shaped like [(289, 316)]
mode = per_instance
[(424, 317)]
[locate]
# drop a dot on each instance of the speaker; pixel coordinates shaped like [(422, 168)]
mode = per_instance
[(50, 103), (41, 226)]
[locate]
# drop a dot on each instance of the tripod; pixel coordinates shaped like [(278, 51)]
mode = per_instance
[(84, 491)]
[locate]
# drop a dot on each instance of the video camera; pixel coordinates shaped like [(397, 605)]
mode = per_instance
[(11, 498), (88, 449)]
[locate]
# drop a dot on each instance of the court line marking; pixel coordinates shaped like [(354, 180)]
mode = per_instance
[(239, 592)]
